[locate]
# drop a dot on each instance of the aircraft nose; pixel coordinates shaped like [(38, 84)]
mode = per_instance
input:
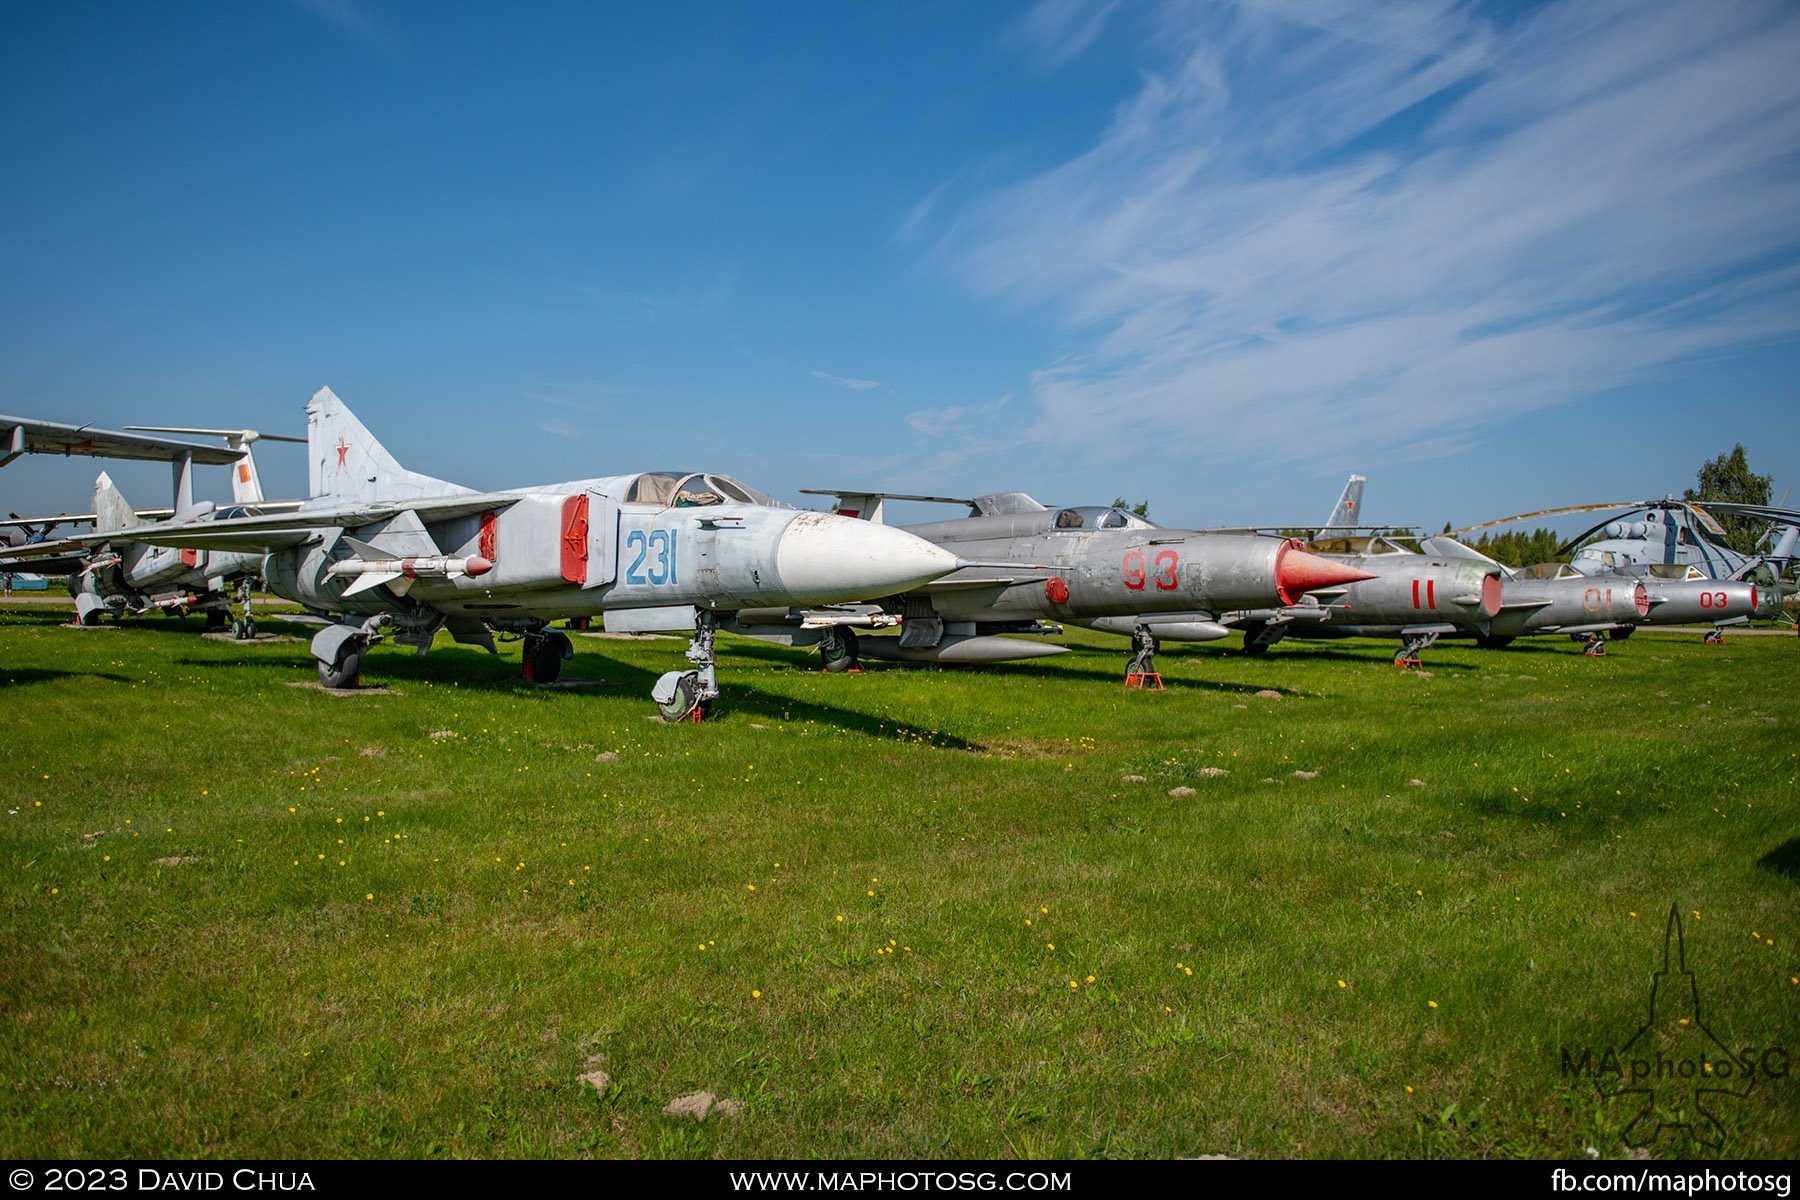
[(1298, 572), (824, 559)]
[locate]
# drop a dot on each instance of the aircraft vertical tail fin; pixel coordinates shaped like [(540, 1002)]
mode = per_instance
[(111, 509), (1348, 513), (346, 463)]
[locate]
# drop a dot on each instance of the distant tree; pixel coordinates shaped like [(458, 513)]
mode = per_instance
[(1141, 508), (1729, 478), (1517, 549)]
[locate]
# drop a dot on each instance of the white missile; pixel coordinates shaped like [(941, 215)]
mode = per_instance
[(399, 573)]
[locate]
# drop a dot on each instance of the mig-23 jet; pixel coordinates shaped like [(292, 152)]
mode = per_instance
[(381, 551), (1104, 568)]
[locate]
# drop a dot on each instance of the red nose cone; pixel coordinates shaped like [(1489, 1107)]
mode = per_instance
[(1642, 599), (477, 565), (1297, 573)]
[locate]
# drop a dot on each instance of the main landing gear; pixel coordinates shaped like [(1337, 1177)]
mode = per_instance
[(1595, 646), (688, 695), (1407, 656), (838, 650), (1140, 672), (545, 653)]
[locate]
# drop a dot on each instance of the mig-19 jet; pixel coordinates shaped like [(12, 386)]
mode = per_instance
[(381, 551)]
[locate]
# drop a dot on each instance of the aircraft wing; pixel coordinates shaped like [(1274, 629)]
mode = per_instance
[(33, 551), (273, 531), (22, 435), (1521, 605)]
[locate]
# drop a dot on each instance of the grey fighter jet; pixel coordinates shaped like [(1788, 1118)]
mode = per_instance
[(1104, 568), (385, 552)]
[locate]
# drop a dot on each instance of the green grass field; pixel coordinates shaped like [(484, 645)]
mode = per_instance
[(1013, 911)]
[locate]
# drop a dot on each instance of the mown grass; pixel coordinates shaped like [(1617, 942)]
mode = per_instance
[(905, 913)]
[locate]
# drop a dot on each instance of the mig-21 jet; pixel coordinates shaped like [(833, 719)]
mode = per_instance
[(383, 552), (1104, 568)]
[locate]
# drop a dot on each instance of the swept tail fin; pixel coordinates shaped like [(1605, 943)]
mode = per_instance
[(111, 509), (348, 464), (1347, 516)]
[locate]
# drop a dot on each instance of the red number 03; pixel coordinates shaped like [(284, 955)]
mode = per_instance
[(1137, 575)]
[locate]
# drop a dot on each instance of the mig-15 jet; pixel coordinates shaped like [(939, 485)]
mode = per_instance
[(1104, 568), (383, 552)]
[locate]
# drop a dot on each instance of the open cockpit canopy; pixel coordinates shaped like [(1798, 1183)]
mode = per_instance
[(693, 489), (1096, 516)]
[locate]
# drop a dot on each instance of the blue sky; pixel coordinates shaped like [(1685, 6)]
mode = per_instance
[(1216, 256)]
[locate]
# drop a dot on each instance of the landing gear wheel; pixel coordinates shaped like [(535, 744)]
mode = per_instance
[(92, 617), (1255, 648), (216, 618), (345, 673), (545, 656), (683, 704), (838, 650), (1596, 646)]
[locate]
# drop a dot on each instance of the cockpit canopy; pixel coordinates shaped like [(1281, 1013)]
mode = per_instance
[(1682, 571), (1096, 516), (1549, 571), (1358, 545), (692, 489)]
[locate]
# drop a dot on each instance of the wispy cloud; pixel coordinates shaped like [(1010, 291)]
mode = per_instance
[(346, 16), (854, 385), (1323, 227)]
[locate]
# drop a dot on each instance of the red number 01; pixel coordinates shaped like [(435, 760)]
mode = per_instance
[(1134, 570), (1165, 578)]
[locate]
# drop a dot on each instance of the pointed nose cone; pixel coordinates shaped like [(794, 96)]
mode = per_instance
[(826, 559), (1297, 573)]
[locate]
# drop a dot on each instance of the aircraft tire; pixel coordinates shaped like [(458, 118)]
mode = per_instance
[(547, 659), (1255, 648), (683, 703), (91, 619), (1492, 643), (343, 674), (215, 618), (839, 654)]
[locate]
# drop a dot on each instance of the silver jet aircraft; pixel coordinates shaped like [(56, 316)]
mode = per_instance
[(386, 552), (1672, 540), (1446, 589), (1104, 568)]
